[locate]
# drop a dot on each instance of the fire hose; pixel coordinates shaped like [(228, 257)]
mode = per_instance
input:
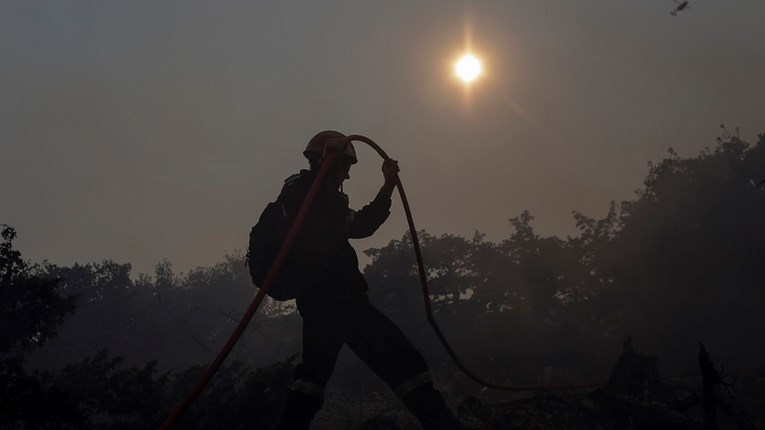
[(279, 262)]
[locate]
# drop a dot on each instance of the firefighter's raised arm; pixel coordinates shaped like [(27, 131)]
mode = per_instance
[(367, 220)]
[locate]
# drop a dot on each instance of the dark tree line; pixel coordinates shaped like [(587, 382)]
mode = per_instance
[(90, 346), (59, 324)]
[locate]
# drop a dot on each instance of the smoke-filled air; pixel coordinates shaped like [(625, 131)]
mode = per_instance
[(365, 216)]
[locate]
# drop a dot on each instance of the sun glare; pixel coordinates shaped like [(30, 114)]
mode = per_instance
[(468, 68)]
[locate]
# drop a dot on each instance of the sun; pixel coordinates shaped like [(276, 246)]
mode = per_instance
[(468, 68)]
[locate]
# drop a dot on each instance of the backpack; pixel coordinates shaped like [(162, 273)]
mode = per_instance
[(266, 239)]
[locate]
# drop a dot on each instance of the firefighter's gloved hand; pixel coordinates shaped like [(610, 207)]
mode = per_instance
[(390, 171)]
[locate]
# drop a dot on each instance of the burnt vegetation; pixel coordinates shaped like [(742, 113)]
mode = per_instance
[(95, 346)]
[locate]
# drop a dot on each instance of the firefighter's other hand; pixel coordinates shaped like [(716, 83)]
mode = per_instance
[(390, 171)]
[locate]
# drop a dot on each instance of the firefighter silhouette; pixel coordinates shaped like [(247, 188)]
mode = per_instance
[(333, 299)]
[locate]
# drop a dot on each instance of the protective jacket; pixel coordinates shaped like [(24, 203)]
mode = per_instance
[(322, 252)]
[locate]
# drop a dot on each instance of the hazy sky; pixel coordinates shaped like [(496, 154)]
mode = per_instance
[(142, 130)]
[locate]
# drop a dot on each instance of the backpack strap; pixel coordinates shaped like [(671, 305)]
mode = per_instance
[(291, 179)]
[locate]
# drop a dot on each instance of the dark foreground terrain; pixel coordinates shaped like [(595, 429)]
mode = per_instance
[(635, 397)]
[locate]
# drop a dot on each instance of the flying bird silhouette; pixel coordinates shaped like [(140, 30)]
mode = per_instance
[(681, 5)]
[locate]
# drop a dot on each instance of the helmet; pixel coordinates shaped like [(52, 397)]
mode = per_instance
[(317, 145)]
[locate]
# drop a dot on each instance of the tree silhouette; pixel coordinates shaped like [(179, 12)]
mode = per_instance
[(30, 306)]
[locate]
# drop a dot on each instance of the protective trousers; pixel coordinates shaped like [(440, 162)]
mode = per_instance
[(327, 325)]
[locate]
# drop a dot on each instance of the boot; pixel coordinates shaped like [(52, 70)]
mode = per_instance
[(427, 404), (299, 410)]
